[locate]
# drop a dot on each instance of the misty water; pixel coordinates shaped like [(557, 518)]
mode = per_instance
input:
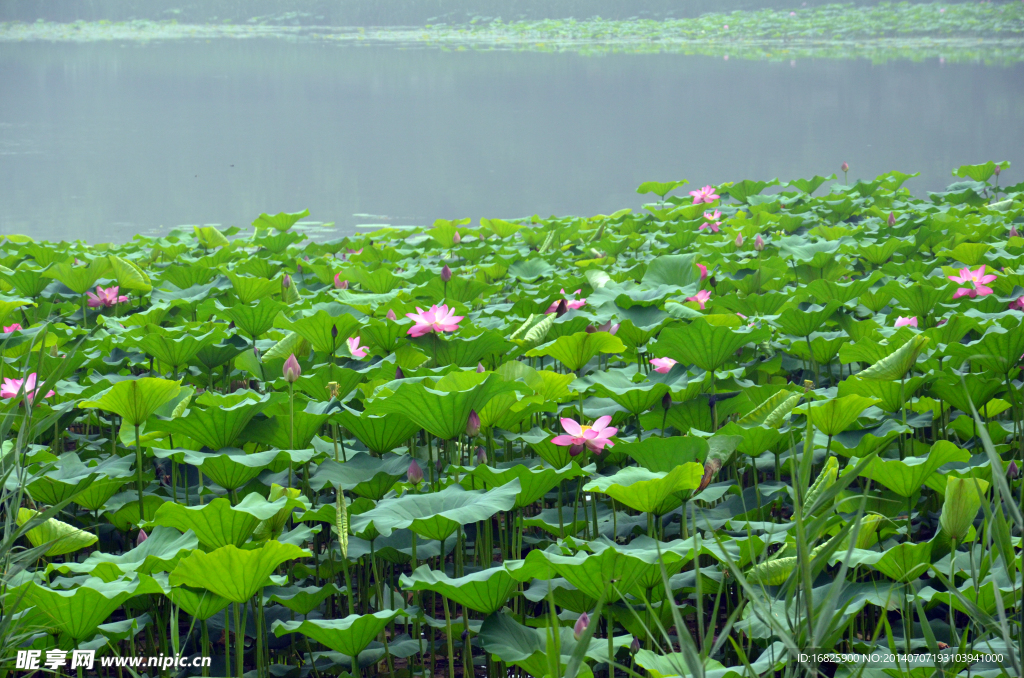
[(102, 141)]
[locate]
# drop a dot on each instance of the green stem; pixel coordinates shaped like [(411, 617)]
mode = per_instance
[(138, 473)]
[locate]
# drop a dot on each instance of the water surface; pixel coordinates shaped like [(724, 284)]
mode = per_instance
[(101, 141)]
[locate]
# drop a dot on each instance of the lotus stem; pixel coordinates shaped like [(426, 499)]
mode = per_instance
[(138, 471), (448, 633)]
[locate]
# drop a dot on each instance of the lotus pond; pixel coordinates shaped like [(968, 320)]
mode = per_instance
[(703, 439)]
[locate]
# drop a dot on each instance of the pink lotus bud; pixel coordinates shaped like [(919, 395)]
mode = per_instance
[(892, 219), (12, 328), (291, 369), (581, 625), (845, 167), (286, 281), (415, 473), (399, 374), (334, 331), (481, 455), (1013, 471), (340, 284), (141, 538), (759, 243), (391, 315), (480, 369), (634, 647), (590, 329), (739, 240), (1013, 231), (473, 425), (446, 273), (998, 170), (456, 238), (575, 450)]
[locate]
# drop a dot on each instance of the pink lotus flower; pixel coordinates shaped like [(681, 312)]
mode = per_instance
[(105, 297), (11, 387), (701, 297), (608, 327), (706, 194), (340, 284), (291, 370), (354, 348), (12, 328), (703, 271), (663, 365), (569, 303), (713, 222), (1017, 304), (391, 315), (436, 319), (594, 437), (977, 281), (902, 321)]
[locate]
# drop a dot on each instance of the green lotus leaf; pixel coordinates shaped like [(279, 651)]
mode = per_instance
[(122, 510), (253, 319), (367, 476), (174, 348), (998, 350), (904, 562), (298, 599), (647, 491), (464, 351), (79, 279), (231, 468), (219, 523), (663, 455), (128, 275), (158, 553), (234, 573), (442, 407), (905, 477), (674, 664), (511, 642), (220, 420), (282, 221), (277, 430), (70, 477), (898, 363), (199, 603), (673, 270), (438, 514), (892, 395), (617, 385), (755, 439), (810, 185), (528, 270), (920, 300), (485, 591), (576, 350), (77, 612), (61, 537), (836, 414), (707, 346), (804, 322), (349, 635), (222, 350), (318, 329), (980, 390), (535, 481), (982, 172), (136, 400), (660, 188)]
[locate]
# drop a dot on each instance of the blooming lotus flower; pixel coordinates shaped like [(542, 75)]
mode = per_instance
[(391, 315), (593, 437), (340, 284), (12, 328), (977, 281), (569, 303), (11, 387), (1017, 304), (701, 297), (712, 223), (703, 271), (663, 365), (291, 370), (902, 321), (581, 625), (706, 194), (354, 348), (436, 319), (105, 297)]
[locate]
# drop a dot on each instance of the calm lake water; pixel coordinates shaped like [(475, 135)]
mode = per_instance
[(103, 141)]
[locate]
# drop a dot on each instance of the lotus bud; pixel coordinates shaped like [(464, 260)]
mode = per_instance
[(892, 218), (480, 369), (591, 329), (575, 450), (439, 465), (713, 281), (340, 284), (256, 352), (446, 273), (53, 351), (291, 370), (473, 425), (399, 374), (1013, 471), (391, 315), (998, 170), (634, 647), (759, 243), (415, 473), (581, 625), (334, 331), (286, 281), (231, 325), (845, 167), (739, 240), (1013, 232), (481, 455), (456, 238), (298, 267), (561, 309), (141, 538), (666, 401), (465, 634)]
